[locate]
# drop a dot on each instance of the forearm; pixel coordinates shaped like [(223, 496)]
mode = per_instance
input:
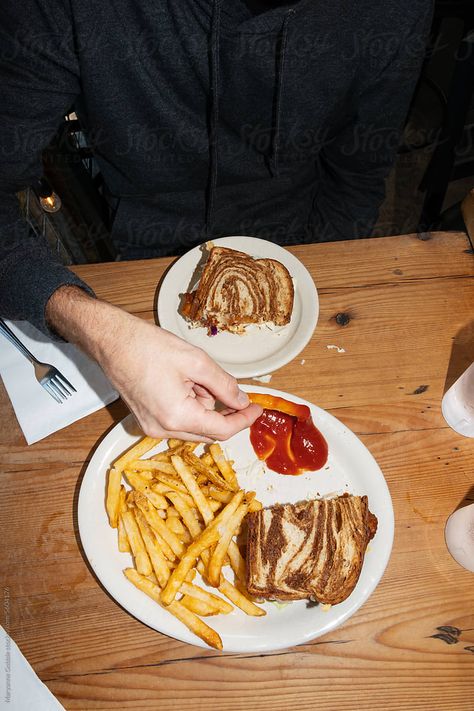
[(168, 384), (92, 324)]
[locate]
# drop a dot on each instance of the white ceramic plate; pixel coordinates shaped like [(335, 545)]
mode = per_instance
[(260, 350), (350, 468)]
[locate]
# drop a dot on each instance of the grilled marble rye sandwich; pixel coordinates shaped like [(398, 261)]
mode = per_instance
[(312, 549), (236, 290)]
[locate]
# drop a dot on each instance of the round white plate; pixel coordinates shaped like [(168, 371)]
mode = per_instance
[(260, 350), (350, 468)]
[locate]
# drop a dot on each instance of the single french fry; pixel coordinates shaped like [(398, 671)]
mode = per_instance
[(164, 547), (214, 505), (199, 607), (207, 459), (142, 561), (146, 475), (163, 456), (158, 487), (236, 561), (255, 505), (210, 599), (123, 499), (195, 624), (209, 472), (151, 465), (207, 538), (173, 483), (227, 532), (143, 486), (112, 501), (224, 465), (185, 536), (185, 511), (239, 600), (220, 494), (135, 452), (188, 618), (158, 500), (175, 525), (193, 488), (156, 556), (158, 525), (123, 542)]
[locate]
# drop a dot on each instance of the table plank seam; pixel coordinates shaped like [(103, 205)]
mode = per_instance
[(205, 658)]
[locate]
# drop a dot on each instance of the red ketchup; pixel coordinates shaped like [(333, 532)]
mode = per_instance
[(285, 437)]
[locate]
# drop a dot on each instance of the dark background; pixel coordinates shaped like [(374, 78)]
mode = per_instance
[(433, 172)]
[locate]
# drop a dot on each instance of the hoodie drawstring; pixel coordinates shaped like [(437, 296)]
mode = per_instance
[(275, 148)]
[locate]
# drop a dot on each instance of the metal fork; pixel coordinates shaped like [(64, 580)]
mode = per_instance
[(49, 377)]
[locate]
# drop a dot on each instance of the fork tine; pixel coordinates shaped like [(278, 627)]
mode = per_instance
[(63, 391), (66, 382), (51, 392), (56, 390)]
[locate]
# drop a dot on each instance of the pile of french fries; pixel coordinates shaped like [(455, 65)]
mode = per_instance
[(178, 514)]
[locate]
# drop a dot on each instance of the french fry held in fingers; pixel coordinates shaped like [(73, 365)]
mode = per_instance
[(187, 617)]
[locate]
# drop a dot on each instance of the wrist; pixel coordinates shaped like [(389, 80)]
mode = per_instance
[(87, 322)]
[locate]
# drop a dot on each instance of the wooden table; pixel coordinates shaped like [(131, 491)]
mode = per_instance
[(402, 309)]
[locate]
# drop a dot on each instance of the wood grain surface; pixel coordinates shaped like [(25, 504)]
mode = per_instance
[(402, 308)]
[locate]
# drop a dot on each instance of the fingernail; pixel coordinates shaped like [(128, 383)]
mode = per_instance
[(243, 398)]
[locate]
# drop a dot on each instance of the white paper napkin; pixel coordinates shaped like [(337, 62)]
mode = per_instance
[(37, 413), (20, 688)]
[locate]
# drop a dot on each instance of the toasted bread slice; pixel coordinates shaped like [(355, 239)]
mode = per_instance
[(313, 549), (236, 290)]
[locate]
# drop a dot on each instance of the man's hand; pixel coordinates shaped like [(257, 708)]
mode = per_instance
[(170, 386)]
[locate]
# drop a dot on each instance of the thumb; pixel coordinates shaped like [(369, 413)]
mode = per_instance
[(224, 387)]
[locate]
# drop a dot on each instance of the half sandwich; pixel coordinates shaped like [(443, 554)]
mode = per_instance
[(236, 290), (312, 549)]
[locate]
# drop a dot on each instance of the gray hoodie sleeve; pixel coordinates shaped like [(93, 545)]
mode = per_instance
[(356, 162), (39, 80)]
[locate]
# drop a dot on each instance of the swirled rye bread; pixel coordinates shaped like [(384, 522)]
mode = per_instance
[(312, 549), (236, 290)]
